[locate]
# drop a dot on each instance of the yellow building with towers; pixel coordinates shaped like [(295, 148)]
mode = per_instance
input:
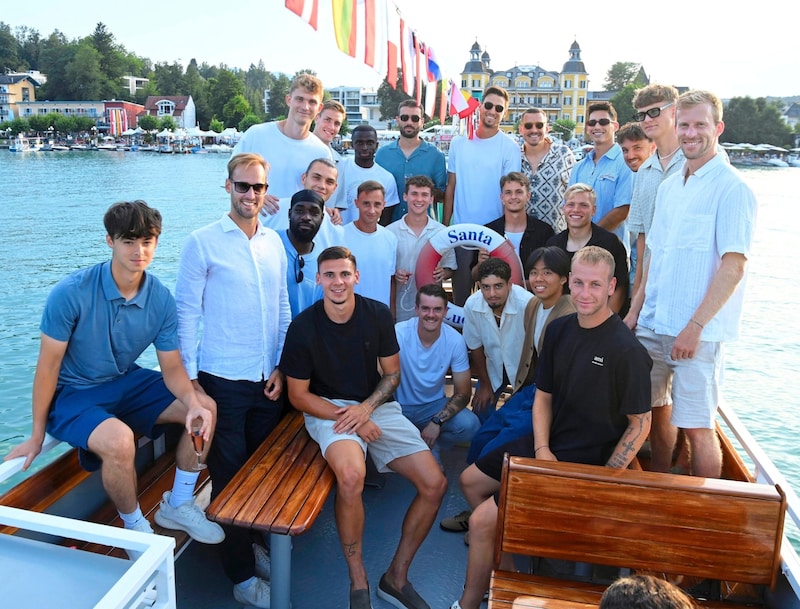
[(562, 95)]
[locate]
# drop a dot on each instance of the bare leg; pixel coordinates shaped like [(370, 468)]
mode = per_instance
[(185, 457), (706, 453), (482, 531), (423, 472), (113, 442), (347, 462), (662, 439), (477, 486)]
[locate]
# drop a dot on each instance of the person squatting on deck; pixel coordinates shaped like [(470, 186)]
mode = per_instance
[(330, 361), (232, 283), (88, 390), (592, 402), (692, 289)]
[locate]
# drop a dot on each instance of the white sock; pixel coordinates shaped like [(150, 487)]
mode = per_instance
[(246, 583), (132, 519), (183, 487)]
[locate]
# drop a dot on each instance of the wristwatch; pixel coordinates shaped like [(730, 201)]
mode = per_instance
[(437, 420)]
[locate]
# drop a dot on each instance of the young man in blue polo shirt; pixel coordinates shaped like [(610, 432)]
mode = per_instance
[(88, 390)]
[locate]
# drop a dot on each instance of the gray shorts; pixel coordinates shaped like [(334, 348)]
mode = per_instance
[(399, 436), (690, 385)]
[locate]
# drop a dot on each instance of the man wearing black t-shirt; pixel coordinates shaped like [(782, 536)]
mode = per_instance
[(592, 401), (330, 359)]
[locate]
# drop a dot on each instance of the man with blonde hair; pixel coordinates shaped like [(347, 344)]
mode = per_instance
[(328, 123), (693, 282), (288, 145)]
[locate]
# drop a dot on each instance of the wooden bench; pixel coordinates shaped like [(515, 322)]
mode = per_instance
[(43, 490), (280, 490), (663, 524)]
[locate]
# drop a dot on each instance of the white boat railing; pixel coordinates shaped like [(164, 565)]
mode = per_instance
[(767, 473), (13, 466)]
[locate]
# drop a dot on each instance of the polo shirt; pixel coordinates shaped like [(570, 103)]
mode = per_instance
[(425, 160)]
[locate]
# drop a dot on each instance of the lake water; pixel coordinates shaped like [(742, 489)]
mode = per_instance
[(51, 208)]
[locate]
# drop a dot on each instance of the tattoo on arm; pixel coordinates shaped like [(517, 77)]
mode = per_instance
[(454, 405), (384, 390), (631, 441)]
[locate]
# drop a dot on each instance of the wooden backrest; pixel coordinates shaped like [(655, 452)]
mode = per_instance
[(708, 528)]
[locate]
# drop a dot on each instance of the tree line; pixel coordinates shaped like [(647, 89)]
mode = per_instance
[(91, 68)]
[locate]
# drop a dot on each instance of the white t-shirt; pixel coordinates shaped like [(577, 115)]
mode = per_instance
[(351, 176), (424, 368), (376, 255), (479, 164), (288, 159)]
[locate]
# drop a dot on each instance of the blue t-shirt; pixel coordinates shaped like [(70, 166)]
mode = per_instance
[(106, 333), (426, 160)]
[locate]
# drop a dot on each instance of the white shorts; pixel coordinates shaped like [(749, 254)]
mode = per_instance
[(690, 385), (399, 437)]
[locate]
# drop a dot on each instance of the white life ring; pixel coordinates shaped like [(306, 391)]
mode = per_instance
[(470, 235)]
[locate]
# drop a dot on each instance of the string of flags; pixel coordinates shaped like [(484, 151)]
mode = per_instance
[(375, 32)]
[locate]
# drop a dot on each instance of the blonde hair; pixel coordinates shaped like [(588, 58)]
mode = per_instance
[(697, 97), (594, 255), (581, 187)]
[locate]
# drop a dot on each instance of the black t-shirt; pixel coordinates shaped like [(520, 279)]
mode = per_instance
[(341, 360), (609, 242), (597, 376)]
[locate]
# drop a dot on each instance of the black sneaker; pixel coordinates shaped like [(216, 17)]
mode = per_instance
[(359, 599), (407, 598)]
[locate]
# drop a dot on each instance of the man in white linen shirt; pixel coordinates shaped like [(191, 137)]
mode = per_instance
[(693, 282), (494, 331), (232, 278)]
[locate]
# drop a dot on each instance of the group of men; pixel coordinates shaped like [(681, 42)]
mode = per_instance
[(277, 299)]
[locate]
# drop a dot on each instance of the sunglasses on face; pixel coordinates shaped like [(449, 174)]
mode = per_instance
[(299, 263), (406, 117), (243, 187), (603, 122), (538, 125), (498, 108), (652, 113)]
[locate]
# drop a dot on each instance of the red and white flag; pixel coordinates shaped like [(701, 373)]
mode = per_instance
[(408, 58), (393, 43), (307, 10), (460, 104)]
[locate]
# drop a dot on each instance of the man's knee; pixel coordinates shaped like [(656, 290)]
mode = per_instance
[(113, 440), (483, 520)]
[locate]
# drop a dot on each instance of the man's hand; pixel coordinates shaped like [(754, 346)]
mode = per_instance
[(200, 412), (687, 342), (440, 274), (336, 217), (369, 431), (29, 449), (545, 454), (350, 418), (484, 396), (430, 434), (274, 385), (631, 319), (271, 206)]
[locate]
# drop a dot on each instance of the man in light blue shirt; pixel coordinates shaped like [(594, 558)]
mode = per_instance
[(604, 169), (412, 156), (232, 277)]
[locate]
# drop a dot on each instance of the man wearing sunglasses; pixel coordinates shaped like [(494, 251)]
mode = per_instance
[(232, 283), (547, 165), (287, 145), (604, 169), (474, 171), (411, 156)]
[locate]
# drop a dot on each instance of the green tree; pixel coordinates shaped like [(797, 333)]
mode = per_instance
[(620, 74), (148, 122), (83, 123), (64, 124), (623, 102), (389, 97), (755, 121), (169, 78), (197, 86), (216, 125), (256, 81), (29, 46), (222, 89), (39, 122), (9, 59), (86, 79), (55, 55), (112, 60), (167, 122), (248, 121), (276, 106), (565, 128), (235, 110), (18, 125)]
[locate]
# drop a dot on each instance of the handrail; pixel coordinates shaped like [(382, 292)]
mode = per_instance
[(767, 473), (9, 468)]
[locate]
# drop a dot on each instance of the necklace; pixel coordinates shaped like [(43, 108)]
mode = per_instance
[(666, 156)]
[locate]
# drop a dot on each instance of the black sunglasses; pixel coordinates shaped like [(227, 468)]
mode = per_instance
[(243, 187), (652, 113), (497, 107), (299, 263), (602, 121), (413, 118), (538, 125)]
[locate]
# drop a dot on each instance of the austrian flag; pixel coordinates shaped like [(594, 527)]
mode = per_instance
[(307, 10)]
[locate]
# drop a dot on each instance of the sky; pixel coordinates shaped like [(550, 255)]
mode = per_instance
[(683, 42)]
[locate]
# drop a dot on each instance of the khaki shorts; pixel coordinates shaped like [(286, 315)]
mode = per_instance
[(690, 385), (399, 436)]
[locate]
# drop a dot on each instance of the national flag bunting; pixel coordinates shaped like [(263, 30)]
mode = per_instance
[(345, 25), (307, 10), (461, 104)]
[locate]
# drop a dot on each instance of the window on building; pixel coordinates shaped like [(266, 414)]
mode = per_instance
[(567, 84), (580, 119), (567, 100), (463, 83), (165, 107), (26, 94), (581, 101), (583, 84)]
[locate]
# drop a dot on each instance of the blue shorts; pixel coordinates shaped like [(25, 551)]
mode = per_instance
[(137, 399)]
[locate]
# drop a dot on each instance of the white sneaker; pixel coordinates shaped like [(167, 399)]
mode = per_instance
[(190, 518), (143, 526), (455, 605), (263, 562), (255, 595)]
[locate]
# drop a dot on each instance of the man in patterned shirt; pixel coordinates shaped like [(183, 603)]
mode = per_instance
[(547, 165)]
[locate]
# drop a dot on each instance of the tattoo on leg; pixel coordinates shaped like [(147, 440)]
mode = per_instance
[(350, 548)]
